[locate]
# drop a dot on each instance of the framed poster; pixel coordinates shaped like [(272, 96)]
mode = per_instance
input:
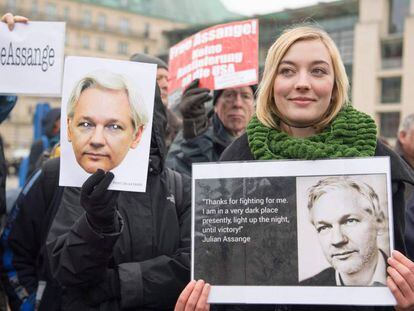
[(293, 232)]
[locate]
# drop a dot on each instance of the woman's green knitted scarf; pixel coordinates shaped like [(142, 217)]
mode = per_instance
[(350, 134)]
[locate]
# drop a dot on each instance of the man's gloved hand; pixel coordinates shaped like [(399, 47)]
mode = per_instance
[(192, 108), (108, 289), (98, 202)]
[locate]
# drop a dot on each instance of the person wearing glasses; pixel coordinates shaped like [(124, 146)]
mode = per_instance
[(205, 135)]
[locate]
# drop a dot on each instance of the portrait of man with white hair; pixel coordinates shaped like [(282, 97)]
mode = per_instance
[(348, 220), (107, 119)]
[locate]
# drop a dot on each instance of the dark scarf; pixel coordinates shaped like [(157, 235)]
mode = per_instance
[(350, 134)]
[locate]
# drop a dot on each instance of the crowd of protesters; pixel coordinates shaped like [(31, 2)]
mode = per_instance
[(90, 248)]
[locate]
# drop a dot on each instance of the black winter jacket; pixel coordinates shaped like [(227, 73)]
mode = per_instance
[(400, 174), (148, 257), (154, 242)]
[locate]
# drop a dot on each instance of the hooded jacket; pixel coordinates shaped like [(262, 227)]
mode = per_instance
[(144, 266), (149, 256)]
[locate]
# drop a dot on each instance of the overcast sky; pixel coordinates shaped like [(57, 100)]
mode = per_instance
[(251, 7)]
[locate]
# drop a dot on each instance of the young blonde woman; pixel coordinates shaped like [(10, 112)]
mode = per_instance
[(303, 112)]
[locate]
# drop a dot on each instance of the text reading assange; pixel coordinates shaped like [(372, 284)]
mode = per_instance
[(27, 56)]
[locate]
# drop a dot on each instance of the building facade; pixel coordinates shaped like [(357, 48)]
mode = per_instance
[(383, 67), (375, 38), (376, 42), (103, 28), (337, 18)]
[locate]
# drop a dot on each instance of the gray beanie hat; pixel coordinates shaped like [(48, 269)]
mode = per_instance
[(144, 58)]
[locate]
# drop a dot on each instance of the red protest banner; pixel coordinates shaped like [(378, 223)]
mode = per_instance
[(221, 56)]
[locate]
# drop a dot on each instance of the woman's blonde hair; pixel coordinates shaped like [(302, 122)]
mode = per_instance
[(266, 109)]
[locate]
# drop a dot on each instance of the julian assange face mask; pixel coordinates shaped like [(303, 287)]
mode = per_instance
[(6, 105)]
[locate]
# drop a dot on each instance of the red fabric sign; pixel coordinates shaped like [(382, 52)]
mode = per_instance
[(221, 56)]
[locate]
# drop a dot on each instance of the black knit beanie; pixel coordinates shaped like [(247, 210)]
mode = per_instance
[(144, 58), (217, 93)]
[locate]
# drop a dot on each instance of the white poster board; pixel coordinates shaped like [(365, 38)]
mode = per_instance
[(31, 58), (257, 238), (98, 141)]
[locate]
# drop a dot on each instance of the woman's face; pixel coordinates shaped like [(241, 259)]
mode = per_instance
[(303, 86)]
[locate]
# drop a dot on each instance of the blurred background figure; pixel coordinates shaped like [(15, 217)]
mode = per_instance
[(405, 148), (173, 121), (7, 103), (49, 138), (46, 130), (409, 227), (205, 135), (405, 140)]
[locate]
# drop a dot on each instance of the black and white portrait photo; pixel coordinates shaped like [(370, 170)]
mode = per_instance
[(301, 232), (343, 235)]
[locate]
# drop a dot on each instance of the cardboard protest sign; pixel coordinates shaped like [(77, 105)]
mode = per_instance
[(106, 121), (294, 232), (31, 58), (221, 56)]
